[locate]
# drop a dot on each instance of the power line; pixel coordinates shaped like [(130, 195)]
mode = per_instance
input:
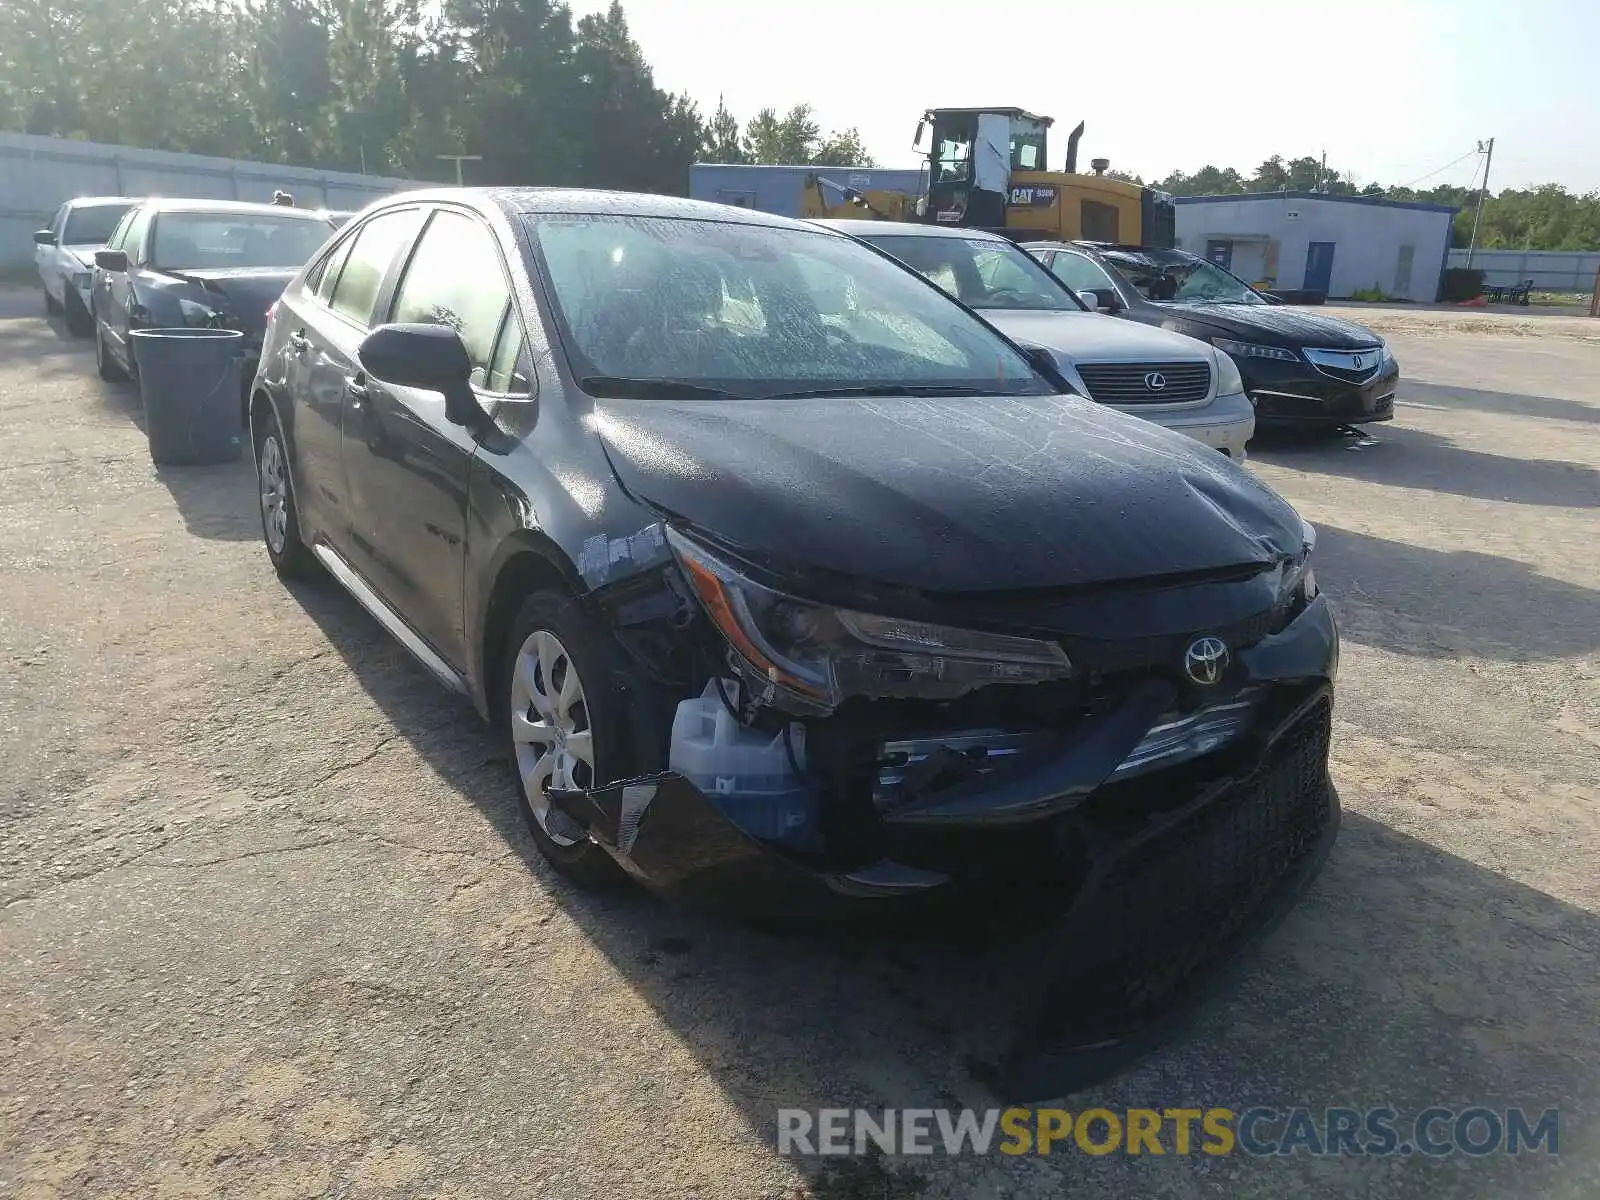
[(1443, 169)]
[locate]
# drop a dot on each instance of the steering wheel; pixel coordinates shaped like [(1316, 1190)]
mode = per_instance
[(1006, 294)]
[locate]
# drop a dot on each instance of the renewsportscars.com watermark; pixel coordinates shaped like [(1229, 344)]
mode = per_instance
[(1381, 1132)]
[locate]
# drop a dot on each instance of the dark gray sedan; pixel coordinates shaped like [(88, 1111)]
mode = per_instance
[(175, 263)]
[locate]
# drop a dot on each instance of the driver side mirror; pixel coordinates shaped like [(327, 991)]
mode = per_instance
[(1103, 300), (111, 260), (430, 357), (44, 237)]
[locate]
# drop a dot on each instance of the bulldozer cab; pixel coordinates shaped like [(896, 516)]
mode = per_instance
[(972, 157)]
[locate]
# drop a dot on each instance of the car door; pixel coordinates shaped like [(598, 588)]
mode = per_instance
[(405, 464), (326, 321), (118, 302), (46, 258)]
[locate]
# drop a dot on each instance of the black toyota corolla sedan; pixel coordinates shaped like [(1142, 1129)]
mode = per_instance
[(788, 581), (1301, 368)]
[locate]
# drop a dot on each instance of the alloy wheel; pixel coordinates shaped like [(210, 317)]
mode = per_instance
[(550, 731), (274, 494)]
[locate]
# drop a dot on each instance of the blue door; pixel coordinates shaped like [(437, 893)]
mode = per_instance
[(1319, 267)]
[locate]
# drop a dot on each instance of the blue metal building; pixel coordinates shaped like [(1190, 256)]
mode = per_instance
[(776, 189)]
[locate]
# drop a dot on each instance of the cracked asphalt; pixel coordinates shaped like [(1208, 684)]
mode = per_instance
[(271, 927)]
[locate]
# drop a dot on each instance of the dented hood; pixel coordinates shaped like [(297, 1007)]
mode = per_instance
[(1276, 325), (951, 494)]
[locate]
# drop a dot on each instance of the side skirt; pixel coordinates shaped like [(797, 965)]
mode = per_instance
[(347, 578)]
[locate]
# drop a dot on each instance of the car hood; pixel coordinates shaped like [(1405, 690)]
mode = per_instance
[(1094, 337), (1276, 325), (250, 290), (84, 254), (959, 494)]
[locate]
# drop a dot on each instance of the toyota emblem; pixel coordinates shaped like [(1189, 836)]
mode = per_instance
[(1206, 660), (1155, 381)]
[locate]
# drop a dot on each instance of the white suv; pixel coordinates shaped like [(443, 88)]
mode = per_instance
[(1169, 378)]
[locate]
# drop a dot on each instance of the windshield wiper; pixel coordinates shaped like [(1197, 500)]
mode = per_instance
[(625, 388), (888, 389)]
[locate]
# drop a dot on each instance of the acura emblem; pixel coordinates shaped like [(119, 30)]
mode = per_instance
[(1359, 362), (1155, 381), (1205, 660)]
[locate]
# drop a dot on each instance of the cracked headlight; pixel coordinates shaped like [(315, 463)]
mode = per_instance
[(1229, 380), (1298, 586), (817, 654), (1249, 350), (197, 314)]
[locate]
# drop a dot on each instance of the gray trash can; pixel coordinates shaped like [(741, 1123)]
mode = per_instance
[(189, 381)]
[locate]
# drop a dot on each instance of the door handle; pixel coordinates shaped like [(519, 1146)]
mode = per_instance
[(298, 342), (355, 386)]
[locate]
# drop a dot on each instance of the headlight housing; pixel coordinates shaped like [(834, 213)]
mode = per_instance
[(1250, 350), (815, 655), (196, 314), (81, 280), (1297, 586), (1229, 380)]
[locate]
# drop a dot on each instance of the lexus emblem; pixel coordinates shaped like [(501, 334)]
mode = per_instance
[(1206, 660), (1359, 362), (1155, 381)]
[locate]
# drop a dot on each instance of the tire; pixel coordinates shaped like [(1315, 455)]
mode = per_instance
[(104, 364), (79, 322), (51, 306), (612, 700), (280, 518)]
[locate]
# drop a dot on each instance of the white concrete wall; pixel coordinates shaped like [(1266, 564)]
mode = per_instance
[(38, 173), (1367, 239), (1550, 270)]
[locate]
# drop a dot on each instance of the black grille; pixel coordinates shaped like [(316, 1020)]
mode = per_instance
[(1130, 383), (1176, 903)]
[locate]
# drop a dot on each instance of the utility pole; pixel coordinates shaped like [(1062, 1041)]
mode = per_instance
[(1483, 190), (458, 159), (1322, 172)]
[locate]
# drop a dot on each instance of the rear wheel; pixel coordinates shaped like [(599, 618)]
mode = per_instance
[(280, 522), (565, 704)]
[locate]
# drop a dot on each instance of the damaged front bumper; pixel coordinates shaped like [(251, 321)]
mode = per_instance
[(1055, 823)]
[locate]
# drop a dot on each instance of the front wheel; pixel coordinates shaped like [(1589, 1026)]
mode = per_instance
[(79, 322), (566, 719), (52, 306), (103, 362)]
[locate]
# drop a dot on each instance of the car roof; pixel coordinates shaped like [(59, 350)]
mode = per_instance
[(906, 228), (599, 202), (234, 207), (101, 201), (1157, 254)]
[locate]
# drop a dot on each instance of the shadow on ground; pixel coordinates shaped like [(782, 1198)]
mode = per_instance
[(1444, 604), (1508, 403), (1413, 458), (1408, 977)]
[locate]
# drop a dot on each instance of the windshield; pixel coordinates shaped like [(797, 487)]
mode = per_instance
[(754, 310), (1182, 280), (202, 241), (979, 272), (92, 224)]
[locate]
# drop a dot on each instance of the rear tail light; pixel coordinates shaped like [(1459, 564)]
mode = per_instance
[(272, 310)]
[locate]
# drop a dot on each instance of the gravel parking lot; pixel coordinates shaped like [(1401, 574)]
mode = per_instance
[(271, 926)]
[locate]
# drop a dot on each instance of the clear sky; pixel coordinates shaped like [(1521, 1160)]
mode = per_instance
[(1392, 91)]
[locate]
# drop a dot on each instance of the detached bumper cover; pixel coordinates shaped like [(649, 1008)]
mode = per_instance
[(1299, 394)]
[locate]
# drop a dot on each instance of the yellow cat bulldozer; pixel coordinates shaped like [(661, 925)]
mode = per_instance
[(986, 170)]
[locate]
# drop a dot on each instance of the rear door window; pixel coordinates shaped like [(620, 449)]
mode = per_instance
[(360, 280)]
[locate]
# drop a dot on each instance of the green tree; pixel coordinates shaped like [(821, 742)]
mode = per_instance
[(722, 143)]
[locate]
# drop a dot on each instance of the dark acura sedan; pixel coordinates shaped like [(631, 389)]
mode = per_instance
[(1301, 368), (789, 581), (172, 263)]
